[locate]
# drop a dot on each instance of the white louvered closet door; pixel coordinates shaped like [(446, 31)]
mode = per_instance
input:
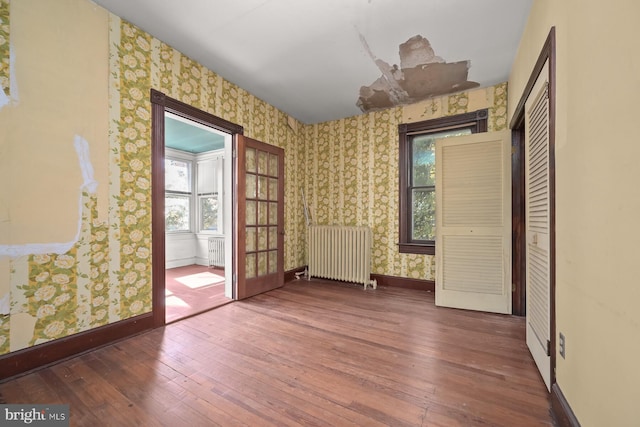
[(473, 222), (537, 224)]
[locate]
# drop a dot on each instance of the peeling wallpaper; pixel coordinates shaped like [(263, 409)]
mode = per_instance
[(347, 168)]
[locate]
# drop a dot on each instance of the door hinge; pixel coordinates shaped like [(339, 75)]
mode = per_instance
[(233, 153), (513, 150), (234, 279), (548, 348), (513, 287)]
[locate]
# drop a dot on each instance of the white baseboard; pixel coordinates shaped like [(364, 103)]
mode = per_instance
[(202, 261), (180, 262)]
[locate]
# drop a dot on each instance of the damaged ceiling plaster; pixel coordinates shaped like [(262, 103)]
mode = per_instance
[(421, 75)]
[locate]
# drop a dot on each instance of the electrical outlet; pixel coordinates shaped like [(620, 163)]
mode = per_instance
[(561, 345)]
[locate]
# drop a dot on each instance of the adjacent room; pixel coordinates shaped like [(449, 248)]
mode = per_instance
[(195, 191)]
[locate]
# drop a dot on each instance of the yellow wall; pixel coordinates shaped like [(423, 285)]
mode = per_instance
[(597, 237), (353, 171), (55, 101)]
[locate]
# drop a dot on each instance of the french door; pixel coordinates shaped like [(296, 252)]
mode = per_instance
[(259, 169)]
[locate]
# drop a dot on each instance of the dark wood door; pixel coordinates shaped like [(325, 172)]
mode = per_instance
[(260, 217)]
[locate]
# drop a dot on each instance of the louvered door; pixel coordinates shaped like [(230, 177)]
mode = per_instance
[(473, 222), (537, 224)]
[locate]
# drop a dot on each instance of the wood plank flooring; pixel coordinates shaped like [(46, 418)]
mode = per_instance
[(313, 353)]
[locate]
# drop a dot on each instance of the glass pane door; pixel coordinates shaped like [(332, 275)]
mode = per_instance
[(260, 230)]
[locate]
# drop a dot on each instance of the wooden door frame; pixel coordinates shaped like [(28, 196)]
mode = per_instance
[(548, 53), (161, 103)]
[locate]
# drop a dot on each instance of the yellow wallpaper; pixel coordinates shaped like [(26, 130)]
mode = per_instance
[(354, 165), (133, 143), (146, 62)]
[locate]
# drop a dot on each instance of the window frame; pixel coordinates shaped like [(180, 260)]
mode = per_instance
[(199, 195), (201, 228), (175, 155), (477, 121)]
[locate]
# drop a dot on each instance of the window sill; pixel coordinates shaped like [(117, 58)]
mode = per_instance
[(415, 248)]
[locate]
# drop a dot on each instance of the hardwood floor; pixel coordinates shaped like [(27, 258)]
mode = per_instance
[(193, 289), (311, 353)]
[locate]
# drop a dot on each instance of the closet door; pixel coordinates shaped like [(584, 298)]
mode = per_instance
[(473, 222), (538, 224)]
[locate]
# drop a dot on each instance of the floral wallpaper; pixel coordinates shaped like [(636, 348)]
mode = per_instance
[(133, 143), (52, 283), (498, 109), (4, 46), (354, 165), (65, 293), (346, 168), (143, 62)]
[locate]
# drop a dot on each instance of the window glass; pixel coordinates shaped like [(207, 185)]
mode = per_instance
[(177, 175), (178, 192), (177, 212), (423, 160), (423, 181), (209, 213), (423, 223)]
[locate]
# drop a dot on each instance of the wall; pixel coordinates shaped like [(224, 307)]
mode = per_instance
[(352, 169), (75, 154), (597, 200), (53, 139)]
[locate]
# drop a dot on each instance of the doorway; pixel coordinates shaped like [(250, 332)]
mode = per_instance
[(199, 213), (197, 217)]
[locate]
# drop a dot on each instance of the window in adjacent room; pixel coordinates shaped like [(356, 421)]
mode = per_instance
[(210, 188), (178, 194), (417, 175)]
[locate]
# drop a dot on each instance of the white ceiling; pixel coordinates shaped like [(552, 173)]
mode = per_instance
[(309, 58)]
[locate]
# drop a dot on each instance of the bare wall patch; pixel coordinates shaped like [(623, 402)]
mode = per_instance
[(421, 75)]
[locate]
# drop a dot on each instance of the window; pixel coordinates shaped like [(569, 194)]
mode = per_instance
[(417, 175), (210, 189), (178, 192), (209, 212), (194, 191)]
